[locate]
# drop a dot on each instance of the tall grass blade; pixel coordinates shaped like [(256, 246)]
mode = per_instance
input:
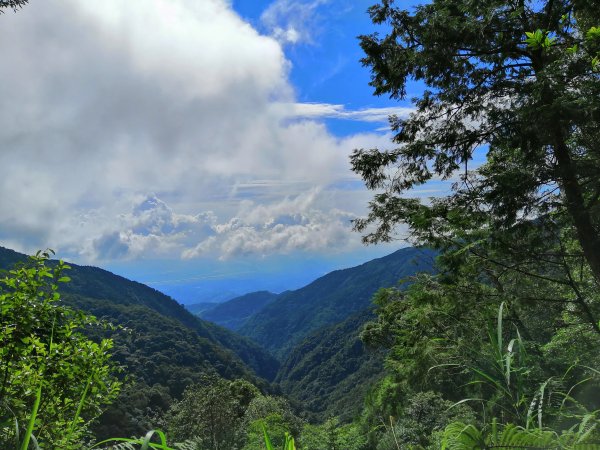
[(491, 381), (79, 408), (499, 331), (36, 446), (394, 433), (509, 358), (31, 424), (540, 409), (290, 444), (17, 433), (268, 443), (146, 441)]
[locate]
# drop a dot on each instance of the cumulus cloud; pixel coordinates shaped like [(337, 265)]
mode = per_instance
[(150, 228), (304, 222), (134, 128), (293, 224)]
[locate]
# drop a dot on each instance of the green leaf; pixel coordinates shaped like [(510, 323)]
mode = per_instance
[(268, 443), (593, 34)]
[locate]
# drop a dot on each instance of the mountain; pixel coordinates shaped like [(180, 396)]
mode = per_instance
[(330, 371), (99, 284), (234, 313), (314, 330), (284, 323), (162, 345), (198, 308), (161, 357)]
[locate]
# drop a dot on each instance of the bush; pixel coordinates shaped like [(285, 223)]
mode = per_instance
[(52, 376)]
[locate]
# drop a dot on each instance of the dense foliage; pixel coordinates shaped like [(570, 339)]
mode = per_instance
[(329, 373), (162, 346), (52, 376), (518, 80), (516, 84), (91, 286), (12, 4)]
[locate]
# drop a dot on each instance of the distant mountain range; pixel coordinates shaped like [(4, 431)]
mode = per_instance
[(292, 316), (94, 283), (314, 331), (234, 313)]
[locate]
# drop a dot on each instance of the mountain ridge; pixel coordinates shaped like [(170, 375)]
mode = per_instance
[(96, 283), (330, 299), (233, 313)]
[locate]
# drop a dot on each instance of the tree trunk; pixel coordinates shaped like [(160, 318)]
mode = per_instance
[(587, 234)]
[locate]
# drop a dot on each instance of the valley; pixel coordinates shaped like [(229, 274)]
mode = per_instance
[(321, 366)]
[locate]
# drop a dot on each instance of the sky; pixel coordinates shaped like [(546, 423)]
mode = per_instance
[(198, 146)]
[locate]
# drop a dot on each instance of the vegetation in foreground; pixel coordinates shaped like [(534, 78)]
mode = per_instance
[(55, 380), (449, 383)]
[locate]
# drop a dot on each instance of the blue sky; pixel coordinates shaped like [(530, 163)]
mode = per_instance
[(200, 146)]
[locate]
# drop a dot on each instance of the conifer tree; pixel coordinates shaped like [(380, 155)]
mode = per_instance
[(516, 80)]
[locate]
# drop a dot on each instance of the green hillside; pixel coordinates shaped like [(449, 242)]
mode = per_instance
[(99, 284), (198, 308), (162, 346), (283, 324), (235, 312), (330, 371), (161, 358)]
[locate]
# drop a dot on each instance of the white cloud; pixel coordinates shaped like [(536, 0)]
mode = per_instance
[(150, 228), (304, 222), (333, 111), (106, 103), (292, 21), (301, 223)]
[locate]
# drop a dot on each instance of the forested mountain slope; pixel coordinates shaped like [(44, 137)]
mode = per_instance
[(330, 371), (162, 347), (99, 284), (330, 299), (234, 313), (161, 357)]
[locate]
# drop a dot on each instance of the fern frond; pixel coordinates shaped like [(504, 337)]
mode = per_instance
[(458, 436)]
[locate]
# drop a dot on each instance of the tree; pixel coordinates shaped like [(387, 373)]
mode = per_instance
[(273, 414), (14, 4), (527, 363), (332, 435), (211, 411), (517, 79), (52, 376)]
